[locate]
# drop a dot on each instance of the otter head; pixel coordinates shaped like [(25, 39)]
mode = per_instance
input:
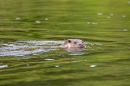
[(72, 43)]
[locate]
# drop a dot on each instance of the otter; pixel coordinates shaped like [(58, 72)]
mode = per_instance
[(73, 43)]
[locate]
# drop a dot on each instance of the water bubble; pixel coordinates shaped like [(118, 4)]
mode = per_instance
[(5, 44), (49, 59), (123, 16), (46, 19), (17, 18), (57, 66), (38, 22), (111, 14), (11, 45), (108, 17), (127, 67), (4, 66), (28, 65), (128, 2), (88, 22), (125, 30), (93, 65), (99, 14), (85, 60), (94, 23)]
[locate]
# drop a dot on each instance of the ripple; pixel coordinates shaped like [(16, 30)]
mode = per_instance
[(22, 48), (33, 47)]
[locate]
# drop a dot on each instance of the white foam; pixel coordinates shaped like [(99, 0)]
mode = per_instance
[(57, 66), (123, 16), (38, 22), (49, 59), (22, 48), (18, 18), (4, 66), (46, 19), (93, 65), (128, 2), (100, 14), (111, 14)]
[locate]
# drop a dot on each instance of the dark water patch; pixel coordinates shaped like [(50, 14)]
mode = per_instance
[(69, 81), (125, 44), (122, 62), (61, 72)]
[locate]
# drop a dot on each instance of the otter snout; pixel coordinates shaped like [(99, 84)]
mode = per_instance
[(81, 45)]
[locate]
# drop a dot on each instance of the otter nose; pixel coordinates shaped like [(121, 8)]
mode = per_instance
[(81, 45)]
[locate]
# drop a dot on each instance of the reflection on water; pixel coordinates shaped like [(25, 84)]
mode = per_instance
[(73, 49), (22, 48)]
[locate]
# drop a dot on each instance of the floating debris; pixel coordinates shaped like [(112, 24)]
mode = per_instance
[(49, 59), (57, 66), (123, 16), (88, 22), (28, 65), (108, 17), (85, 60), (128, 2), (46, 19), (93, 65), (125, 30), (17, 18), (4, 66), (5, 44), (111, 14), (91, 23), (100, 14), (94, 23), (38, 22), (127, 67)]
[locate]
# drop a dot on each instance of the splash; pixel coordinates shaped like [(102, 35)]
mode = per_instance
[(22, 48), (33, 47)]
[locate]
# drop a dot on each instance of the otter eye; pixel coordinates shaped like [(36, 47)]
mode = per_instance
[(75, 42), (69, 41)]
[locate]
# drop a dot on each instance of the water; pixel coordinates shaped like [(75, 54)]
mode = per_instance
[(45, 24)]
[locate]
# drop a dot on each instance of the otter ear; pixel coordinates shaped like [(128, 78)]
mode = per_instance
[(69, 41)]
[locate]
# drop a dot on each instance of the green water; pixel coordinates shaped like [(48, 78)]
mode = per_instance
[(104, 22)]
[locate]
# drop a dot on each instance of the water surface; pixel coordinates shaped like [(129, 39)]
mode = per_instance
[(104, 26)]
